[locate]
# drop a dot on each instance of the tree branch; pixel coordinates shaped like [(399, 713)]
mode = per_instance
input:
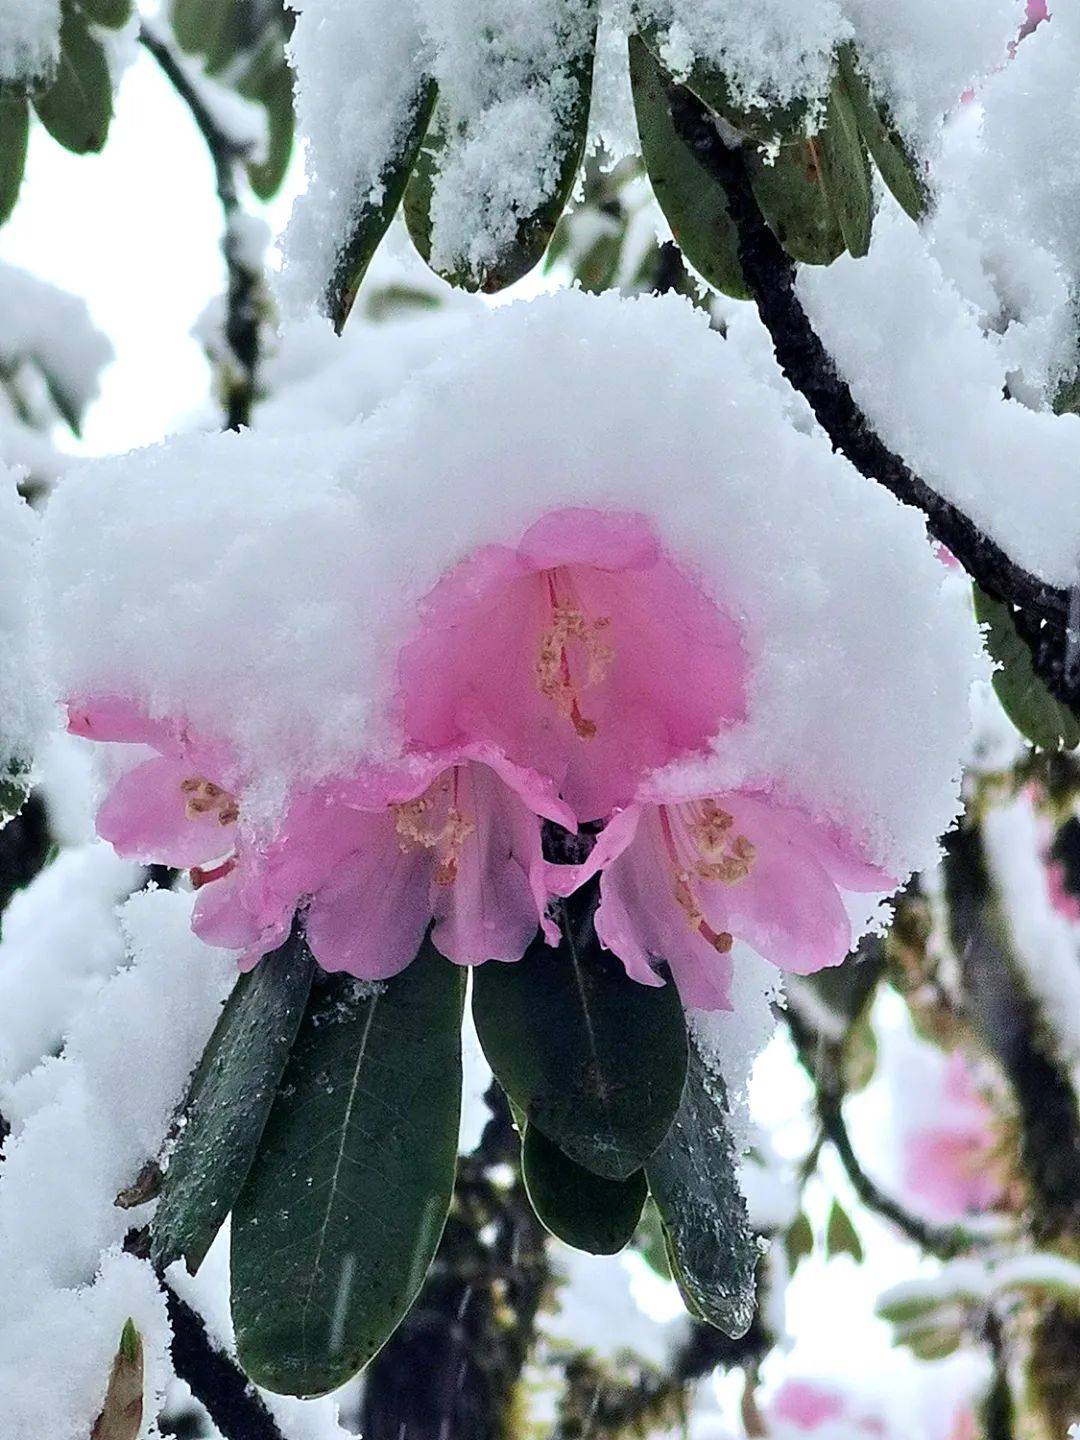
[(219, 1385), (822, 1065), (1044, 619), (244, 284)]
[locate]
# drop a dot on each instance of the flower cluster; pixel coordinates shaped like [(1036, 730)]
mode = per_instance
[(545, 683)]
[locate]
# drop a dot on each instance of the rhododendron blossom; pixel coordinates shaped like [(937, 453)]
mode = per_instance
[(177, 807), (953, 1168), (583, 652), (373, 860), (807, 1406), (683, 878)]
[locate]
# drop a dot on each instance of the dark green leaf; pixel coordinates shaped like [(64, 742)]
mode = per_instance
[(693, 202), (534, 230), (845, 171), (841, 1237), (77, 106), (342, 1212), (594, 1059), (369, 222), (651, 1242), (693, 1179), (790, 190), (799, 1241), (274, 90), (898, 169), (1047, 723), (14, 134), (586, 1210), (228, 1103), (112, 13)]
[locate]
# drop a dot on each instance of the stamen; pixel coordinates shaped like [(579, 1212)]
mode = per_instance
[(717, 855), (204, 797), (419, 825), (201, 877), (553, 675)]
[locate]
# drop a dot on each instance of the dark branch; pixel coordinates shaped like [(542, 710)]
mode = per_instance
[(1043, 621), (244, 285), (218, 1384), (823, 1066)]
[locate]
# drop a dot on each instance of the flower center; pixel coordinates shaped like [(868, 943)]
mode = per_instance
[(203, 797), (435, 822), (702, 844), (554, 677)]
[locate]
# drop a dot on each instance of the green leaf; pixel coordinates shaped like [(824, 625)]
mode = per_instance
[(76, 108), (228, 1102), (342, 1212), (651, 1242), (595, 1059), (841, 1237), (799, 1241), (273, 88), (370, 221), (792, 195), (694, 1182), (694, 204), (1045, 721), (586, 1210), (898, 169), (845, 171), (534, 230), (111, 13), (14, 135)]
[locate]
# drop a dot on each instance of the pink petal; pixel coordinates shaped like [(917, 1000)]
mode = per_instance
[(493, 909), (144, 818), (806, 1404), (229, 913), (371, 915), (109, 717), (610, 540), (833, 849)]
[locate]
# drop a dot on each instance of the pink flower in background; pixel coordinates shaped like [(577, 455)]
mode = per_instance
[(177, 807), (584, 652), (682, 879), (453, 838), (951, 1169), (1063, 901), (809, 1405)]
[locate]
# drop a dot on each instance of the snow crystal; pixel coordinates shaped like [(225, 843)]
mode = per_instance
[(29, 39), (82, 1126), (60, 942), (291, 622), (24, 711)]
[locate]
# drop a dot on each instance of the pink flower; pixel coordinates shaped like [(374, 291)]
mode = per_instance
[(176, 808), (808, 1405), (952, 1169), (682, 879), (374, 860), (584, 653)]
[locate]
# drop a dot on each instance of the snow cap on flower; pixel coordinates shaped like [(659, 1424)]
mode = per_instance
[(271, 610), (582, 651)]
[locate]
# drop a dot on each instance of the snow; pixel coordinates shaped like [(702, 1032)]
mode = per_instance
[(83, 1123), (24, 711), (643, 391), (29, 39), (972, 1281)]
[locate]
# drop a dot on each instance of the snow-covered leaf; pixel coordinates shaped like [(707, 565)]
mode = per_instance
[(693, 1180), (898, 169), (76, 108), (845, 171), (228, 1103), (791, 192), (342, 1212), (1047, 723), (585, 1210), (594, 1059)]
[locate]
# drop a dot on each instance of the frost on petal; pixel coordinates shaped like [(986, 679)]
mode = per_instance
[(587, 654)]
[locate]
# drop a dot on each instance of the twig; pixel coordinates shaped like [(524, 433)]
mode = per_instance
[(244, 284), (219, 1385), (1043, 621), (822, 1066)]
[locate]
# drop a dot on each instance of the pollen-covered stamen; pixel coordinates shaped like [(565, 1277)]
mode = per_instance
[(710, 828), (720, 854), (204, 797), (554, 677), (433, 821)]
